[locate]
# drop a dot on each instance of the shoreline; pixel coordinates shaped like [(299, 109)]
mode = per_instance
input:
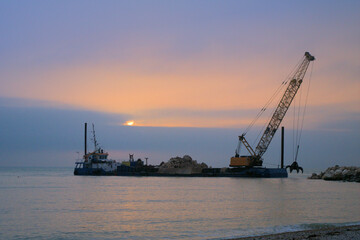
[(328, 233)]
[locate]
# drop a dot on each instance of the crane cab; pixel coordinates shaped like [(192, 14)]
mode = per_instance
[(245, 161)]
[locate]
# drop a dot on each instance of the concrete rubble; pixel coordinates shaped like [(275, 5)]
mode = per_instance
[(184, 165), (337, 173)]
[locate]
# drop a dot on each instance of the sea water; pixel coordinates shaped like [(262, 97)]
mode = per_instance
[(52, 203)]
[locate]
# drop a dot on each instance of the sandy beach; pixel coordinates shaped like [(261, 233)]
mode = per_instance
[(333, 233)]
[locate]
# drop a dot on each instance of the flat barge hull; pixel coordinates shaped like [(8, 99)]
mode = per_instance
[(212, 172)]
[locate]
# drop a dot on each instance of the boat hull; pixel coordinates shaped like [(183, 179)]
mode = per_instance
[(209, 172), (215, 172), (92, 172)]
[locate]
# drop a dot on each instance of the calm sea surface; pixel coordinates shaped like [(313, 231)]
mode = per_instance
[(46, 203)]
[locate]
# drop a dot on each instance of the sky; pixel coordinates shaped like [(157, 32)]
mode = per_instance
[(190, 75)]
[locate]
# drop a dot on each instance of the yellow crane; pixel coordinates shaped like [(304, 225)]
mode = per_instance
[(255, 157)]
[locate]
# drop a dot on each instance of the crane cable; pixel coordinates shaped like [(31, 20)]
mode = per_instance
[(292, 73), (266, 105), (301, 125), (278, 90), (296, 117)]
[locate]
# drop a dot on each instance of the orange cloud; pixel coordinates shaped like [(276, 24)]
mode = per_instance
[(207, 85)]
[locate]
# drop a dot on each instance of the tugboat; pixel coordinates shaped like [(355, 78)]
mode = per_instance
[(95, 162)]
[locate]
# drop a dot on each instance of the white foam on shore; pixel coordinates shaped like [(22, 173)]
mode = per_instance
[(242, 233), (316, 226)]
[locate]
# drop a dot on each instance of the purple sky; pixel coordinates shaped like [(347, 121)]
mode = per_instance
[(190, 74)]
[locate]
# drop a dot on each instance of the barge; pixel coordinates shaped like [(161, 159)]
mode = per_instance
[(96, 163)]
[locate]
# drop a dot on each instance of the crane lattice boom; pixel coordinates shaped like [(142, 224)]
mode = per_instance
[(283, 105), (278, 116)]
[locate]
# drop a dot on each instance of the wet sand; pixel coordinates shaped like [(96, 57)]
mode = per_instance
[(333, 233)]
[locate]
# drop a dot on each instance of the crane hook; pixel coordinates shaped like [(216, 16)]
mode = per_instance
[(295, 166)]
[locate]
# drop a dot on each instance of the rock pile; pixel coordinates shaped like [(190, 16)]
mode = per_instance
[(184, 165), (337, 173)]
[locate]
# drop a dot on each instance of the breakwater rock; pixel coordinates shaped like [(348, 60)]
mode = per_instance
[(184, 165), (337, 173)]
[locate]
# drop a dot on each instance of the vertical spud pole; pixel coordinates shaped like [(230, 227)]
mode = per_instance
[(85, 140), (282, 147)]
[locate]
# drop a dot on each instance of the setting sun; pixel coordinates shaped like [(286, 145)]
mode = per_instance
[(129, 123)]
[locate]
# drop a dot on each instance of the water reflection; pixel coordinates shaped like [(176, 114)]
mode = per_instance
[(66, 206)]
